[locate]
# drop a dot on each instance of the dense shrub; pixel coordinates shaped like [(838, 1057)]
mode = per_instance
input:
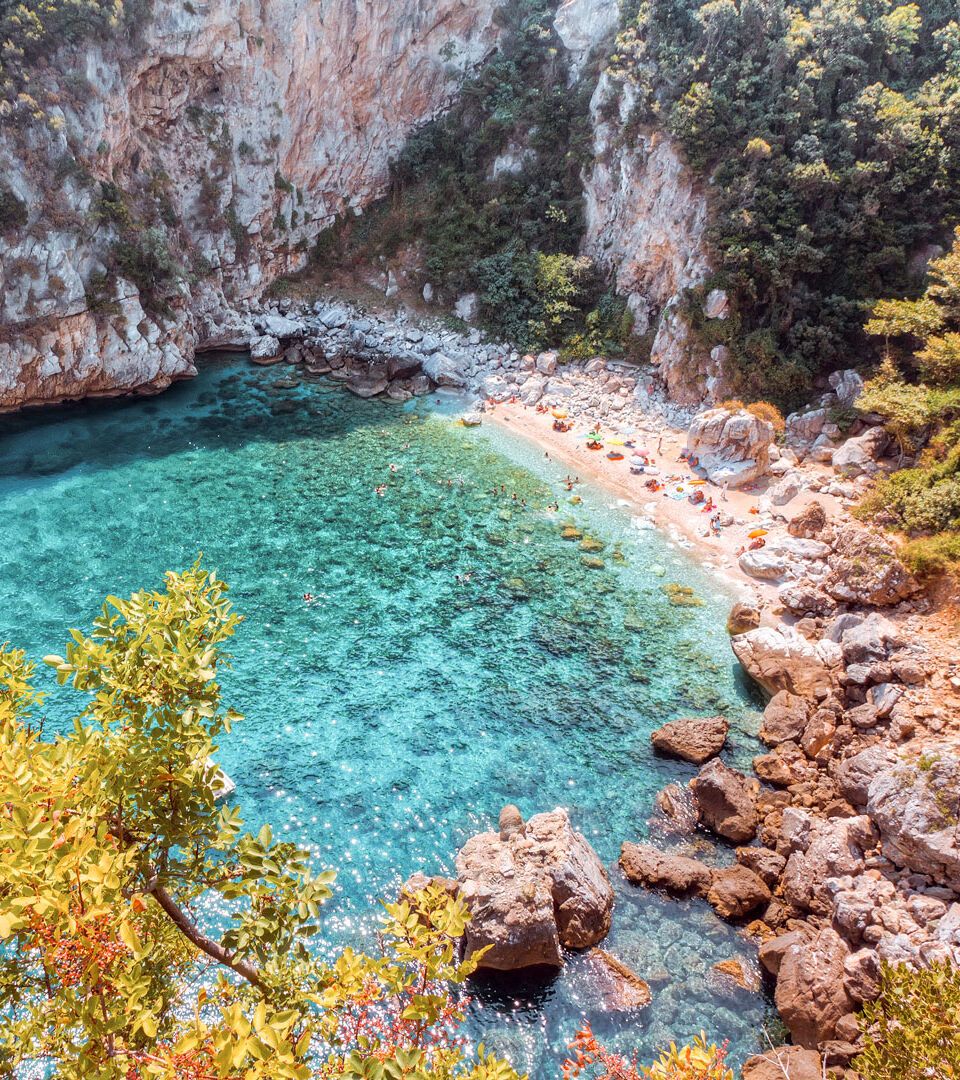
[(831, 130), (764, 410), (911, 1029)]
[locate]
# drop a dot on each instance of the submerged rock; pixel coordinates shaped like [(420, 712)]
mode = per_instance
[(531, 889), (620, 989)]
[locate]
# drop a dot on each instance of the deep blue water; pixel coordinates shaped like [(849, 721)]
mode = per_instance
[(391, 718)]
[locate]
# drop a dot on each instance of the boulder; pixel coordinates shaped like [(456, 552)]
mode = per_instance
[(646, 865), (278, 326), (265, 350), (733, 447), (785, 490), (811, 994), (833, 847), (855, 774), (717, 305), (367, 386), (784, 718), (803, 597), (764, 862), (696, 740), (403, 365), (860, 454), (865, 570), (547, 363), (443, 370), (467, 307), (916, 806), (743, 617), (618, 987), (726, 802), (809, 523), (779, 658), (532, 389), (541, 888), (848, 386), (803, 429), (870, 639), (765, 564), (784, 1063), (735, 891), (496, 388)]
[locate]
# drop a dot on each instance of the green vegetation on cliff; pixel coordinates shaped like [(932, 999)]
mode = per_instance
[(831, 135), (492, 192), (917, 393)]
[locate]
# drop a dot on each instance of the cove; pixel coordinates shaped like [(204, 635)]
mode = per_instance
[(393, 716)]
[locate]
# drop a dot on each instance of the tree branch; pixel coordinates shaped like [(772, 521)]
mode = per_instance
[(182, 921)]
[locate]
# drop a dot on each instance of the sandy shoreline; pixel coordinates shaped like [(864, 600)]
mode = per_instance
[(677, 518)]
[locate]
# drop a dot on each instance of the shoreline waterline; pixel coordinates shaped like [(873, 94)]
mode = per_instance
[(392, 717)]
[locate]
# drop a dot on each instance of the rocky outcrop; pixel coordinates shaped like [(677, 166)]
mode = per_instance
[(255, 126), (916, 806), (784, 1063), (532, 888), (695, 740), (865, 570), (733, 448), (733, 891)]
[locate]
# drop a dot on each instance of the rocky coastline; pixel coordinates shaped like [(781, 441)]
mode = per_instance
[(845, 844)]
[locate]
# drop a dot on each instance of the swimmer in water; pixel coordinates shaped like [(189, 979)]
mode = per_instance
[(308, 597)]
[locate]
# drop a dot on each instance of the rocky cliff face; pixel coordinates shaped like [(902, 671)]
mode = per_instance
[(247, 128), (646, 223)]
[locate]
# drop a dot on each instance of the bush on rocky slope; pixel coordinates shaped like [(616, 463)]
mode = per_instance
[(917, 392), (911, 1029), (831, 132)]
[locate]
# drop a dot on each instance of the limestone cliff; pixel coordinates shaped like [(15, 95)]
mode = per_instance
[(647, 217), (247, 127)]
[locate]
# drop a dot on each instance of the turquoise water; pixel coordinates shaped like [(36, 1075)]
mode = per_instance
[(393, 716)]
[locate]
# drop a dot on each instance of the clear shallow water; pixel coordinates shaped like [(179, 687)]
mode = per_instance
[(391, 718)]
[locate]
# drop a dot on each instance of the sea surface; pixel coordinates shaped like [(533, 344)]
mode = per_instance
[(393, 716)]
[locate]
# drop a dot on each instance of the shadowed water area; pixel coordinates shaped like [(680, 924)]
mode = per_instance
[(391, 718)]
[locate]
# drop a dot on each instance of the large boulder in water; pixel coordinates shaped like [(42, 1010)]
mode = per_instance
[(532, 889), (726, 802), (695, 740), (733, 447), (646, 865)]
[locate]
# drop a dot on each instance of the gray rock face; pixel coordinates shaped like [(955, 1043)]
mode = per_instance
[(733, 447), (916, 806), (726, 802), (865, 570), (848, 386), (531, 890), (860, 454), (265, 348), (695, 740), (279, 97)]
